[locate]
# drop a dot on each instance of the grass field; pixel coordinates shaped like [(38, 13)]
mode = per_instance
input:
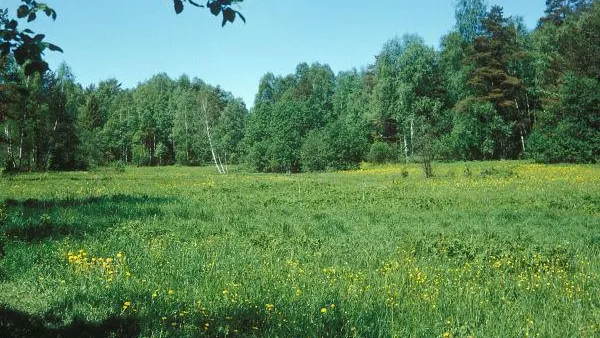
[(490, 249)]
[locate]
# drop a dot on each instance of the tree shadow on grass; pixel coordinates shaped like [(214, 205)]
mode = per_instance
[(16, 324), (35, 220)]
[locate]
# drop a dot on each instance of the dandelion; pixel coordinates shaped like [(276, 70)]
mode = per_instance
[(324, 310), (447, 334), (269, 307), (171, 292)]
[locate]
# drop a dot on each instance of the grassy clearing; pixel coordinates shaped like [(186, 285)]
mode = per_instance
[(502, 249)]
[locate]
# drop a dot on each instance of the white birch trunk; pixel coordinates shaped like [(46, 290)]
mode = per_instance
[(405, 148), (412, 136), (219, 166), (50, 145), (9, 148)]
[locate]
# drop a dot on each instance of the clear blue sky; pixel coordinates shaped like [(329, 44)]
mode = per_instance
[(131, 40)]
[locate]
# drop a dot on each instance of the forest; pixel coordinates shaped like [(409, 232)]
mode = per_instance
[(492, 90)]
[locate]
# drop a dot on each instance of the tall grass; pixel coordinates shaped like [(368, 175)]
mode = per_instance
[(490, 249)]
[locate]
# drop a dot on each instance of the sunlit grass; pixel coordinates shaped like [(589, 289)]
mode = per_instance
[(504, 249)]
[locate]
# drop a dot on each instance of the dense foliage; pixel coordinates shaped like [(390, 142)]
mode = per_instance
[(493, 90)]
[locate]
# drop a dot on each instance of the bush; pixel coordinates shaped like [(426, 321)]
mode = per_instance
[(316, 154), (118, 166), (380, 153), (140, 155), (337, 147)]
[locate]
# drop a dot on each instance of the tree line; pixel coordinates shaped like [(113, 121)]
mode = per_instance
[(492, 90)]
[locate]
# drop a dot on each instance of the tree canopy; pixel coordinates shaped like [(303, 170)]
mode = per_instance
[(492, 90)]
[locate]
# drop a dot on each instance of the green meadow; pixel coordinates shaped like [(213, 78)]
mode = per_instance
[(484, 249)]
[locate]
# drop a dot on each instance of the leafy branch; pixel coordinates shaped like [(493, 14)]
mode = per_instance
[(26, 46), (216, 7)]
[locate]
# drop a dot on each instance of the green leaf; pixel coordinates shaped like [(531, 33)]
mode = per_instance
[(178, 6), (20, 54), (22, 11), (31, 17), (50, 12), (195, 4), (35, 67), (54, 48), (39, 37), (215, 8), (12, 25), (241, 16), (228, 15)]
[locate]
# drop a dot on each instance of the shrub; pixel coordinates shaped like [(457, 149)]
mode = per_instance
[(380, 153), (316, 154)]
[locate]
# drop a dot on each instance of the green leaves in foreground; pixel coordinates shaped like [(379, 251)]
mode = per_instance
[(216, 7), (26, 46)]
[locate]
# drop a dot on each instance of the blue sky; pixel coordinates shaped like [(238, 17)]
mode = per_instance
[(131, 40)]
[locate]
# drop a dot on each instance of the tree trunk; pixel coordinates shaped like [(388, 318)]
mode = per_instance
[(412, 136), (220, 168), (9, 149), (47, 159), (405, 148), (21, 147)]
